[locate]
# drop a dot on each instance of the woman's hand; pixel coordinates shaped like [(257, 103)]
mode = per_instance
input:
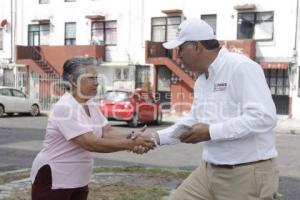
[(141, 149)]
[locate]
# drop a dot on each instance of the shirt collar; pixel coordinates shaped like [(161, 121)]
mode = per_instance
[(217, 63)]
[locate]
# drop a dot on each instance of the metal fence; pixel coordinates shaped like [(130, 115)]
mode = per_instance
[(47, 88)]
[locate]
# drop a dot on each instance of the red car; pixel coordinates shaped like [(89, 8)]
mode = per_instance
[(131, 106)]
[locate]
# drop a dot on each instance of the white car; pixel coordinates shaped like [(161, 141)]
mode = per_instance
[(15, 101)]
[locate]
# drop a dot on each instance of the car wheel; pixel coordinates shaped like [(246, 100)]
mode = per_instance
[(134, 121), (1, 110), (158, 119), (35, 110)]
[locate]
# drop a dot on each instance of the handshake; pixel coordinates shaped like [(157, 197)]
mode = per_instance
[(142, 141)]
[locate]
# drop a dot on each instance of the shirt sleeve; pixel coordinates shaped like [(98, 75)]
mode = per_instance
[(70, 121), (165, 135), (250, 90)]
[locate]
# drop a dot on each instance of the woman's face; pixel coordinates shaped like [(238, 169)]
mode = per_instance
[(87, 83)]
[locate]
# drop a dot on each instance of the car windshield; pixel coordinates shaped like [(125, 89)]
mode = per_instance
[(116, 96)]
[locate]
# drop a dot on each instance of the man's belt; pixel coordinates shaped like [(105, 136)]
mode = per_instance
[(238, 165)]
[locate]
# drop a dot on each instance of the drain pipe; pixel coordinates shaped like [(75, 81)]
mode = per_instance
[(293, 69), (11, 31), (296, 32)]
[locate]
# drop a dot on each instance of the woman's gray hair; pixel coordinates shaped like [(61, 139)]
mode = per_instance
[(74, 67)]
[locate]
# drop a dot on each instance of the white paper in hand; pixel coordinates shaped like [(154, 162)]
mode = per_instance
[(180, 129)]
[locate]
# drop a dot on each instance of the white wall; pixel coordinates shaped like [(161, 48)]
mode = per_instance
[(281, 48), (134, 22), (5, 13), (295, 97), (134, 26), (60, 12)]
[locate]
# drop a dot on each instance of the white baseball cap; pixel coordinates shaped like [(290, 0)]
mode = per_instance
[(191, 30)]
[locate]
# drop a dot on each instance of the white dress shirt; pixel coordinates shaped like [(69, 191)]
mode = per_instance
[(236, 102)]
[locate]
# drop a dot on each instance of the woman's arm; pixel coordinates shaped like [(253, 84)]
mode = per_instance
[(109, 132), (112, 133), (90, 142)]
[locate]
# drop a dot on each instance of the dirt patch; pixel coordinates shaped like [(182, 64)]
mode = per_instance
[(122, 191), (113, 184)]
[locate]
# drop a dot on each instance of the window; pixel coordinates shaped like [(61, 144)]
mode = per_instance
[(44, 1), (122, 74), (255, 25), (142, 75), (117, 95), (5, 92), (211, 20), (8, 77), (164, 28), (1, 38), (278, 81), (17, 93), (44, 34), (38, 34), (70, 33), (104, 32)]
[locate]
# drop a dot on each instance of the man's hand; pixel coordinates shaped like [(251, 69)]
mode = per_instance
[(142, 149), (198, 133), (141, 135)]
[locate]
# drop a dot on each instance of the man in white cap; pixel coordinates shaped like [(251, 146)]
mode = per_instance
[(232, 113)]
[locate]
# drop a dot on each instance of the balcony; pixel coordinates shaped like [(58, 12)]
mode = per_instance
[(156, 54), (50, 59)]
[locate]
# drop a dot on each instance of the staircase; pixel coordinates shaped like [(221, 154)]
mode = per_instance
[(156, 54), (34, 55)]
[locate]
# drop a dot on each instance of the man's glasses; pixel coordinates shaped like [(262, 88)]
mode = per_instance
[(183, 45)]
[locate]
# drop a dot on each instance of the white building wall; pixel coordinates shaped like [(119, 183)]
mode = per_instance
[(5, 13), (295, 97), (296, 73), (279, 49), (60, 12), (134, 27), (127, 13)]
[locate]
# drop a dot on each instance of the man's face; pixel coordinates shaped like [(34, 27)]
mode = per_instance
[(190, 55)]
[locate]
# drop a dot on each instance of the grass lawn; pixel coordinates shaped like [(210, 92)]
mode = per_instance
[(123, 190)]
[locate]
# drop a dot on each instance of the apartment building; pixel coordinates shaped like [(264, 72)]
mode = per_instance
[(128, 38), (265, 31), (8, 68)]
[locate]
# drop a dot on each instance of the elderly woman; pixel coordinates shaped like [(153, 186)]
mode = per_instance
[(76, 127)]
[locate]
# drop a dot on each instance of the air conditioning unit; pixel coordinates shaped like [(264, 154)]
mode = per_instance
[(96, 42)]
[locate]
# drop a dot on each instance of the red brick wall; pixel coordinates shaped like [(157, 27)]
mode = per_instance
[(57, 55), (181, 97)]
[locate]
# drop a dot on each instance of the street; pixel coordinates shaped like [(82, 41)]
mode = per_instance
[(21, 138)]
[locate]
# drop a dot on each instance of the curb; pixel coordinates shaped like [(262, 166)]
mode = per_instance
[(14, 171)]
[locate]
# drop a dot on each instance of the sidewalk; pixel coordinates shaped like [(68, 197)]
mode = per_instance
[(284, 124)]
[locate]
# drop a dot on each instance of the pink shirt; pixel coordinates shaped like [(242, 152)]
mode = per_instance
[(71, 165)]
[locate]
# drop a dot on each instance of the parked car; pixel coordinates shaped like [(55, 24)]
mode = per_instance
[(15, 101), (131, 106)]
